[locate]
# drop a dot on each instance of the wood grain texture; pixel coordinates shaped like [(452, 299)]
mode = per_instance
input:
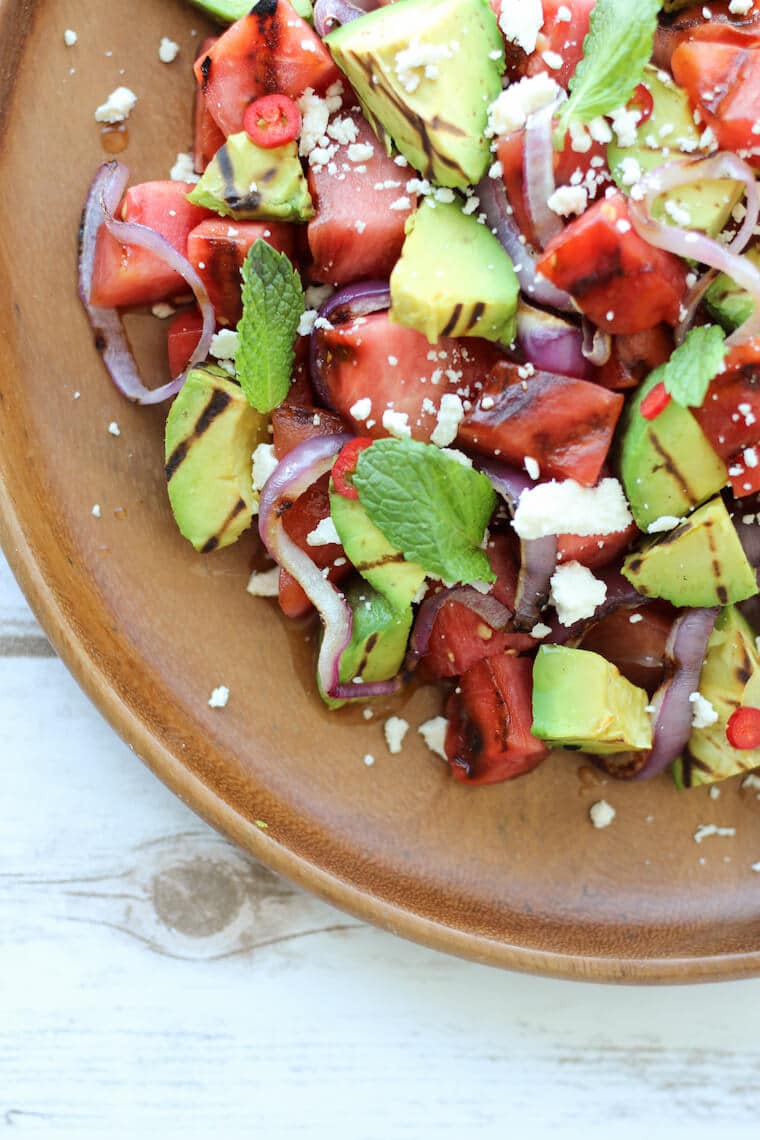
[(512, 874), (155, 981)]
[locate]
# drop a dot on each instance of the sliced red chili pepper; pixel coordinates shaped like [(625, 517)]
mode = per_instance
[(345, 465), (655, 402), (641, 101), (743, 729), (272, 121)]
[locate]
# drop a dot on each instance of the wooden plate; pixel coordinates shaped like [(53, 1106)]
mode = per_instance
[(512, 875)]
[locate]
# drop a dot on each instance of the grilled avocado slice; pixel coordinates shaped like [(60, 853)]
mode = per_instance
[(249, 182)]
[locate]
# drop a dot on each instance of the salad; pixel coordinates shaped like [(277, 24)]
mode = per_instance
[(465, 324)]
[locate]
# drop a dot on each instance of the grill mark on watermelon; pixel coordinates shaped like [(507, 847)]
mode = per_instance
[(206, 72), (266, 14)]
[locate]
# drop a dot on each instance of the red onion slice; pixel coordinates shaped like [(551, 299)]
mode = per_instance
[(499, 216), (485, 606), (695, 246), (597, 345), (103, 198), (551, 343), (538, 174), (294, 475), (347, 304), (538, 556), (329, 14), (684, 653)]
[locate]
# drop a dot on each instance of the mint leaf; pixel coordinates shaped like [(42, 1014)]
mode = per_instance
[(272, 308), (619, 44), (429, 506), (691, 367)]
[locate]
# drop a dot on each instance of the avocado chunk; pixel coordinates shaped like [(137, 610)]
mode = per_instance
[(211, 432), (667, 464), (700, 563), (378, 638), (704, 205), (247, 182), (582, 701), (426, 72), (730, 678), (727, 302), (453, 277), (378, 562)]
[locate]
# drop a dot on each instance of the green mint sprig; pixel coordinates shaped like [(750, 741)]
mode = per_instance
[(615, 51), (429, 506), (690, 368), (273, 304)]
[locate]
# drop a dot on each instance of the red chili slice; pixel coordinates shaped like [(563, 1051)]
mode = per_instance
[(641, 101), (655, 402), (272, 121), (743, 729), (345, 465)]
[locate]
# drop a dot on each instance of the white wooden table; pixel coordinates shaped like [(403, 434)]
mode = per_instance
[(155, 982)]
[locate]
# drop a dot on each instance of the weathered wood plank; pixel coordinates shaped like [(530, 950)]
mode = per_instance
[(20, 635)]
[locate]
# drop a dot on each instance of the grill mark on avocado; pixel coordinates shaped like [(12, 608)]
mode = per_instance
[(215, 406), (372, 641), (235, 201), (213, 542), (671, 467), (720, 590), (478, 309), (385, 560), (453, 320), (416, 122)]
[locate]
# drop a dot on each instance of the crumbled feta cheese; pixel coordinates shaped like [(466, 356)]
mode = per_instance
[(117, 107), (680, 215), (402, 203), (369, 759), (360, 152), (750, 456), (521, 21), (113, 428), (457, 455), (444, 194), (714, 792), (316, 295), (219, 697), (580, 139), (663, 523), (70, 37), (163, 311), (540, 630), (575, 592), (705, 830), (433, 732), (324, 533), (264, 463), (343, 131), (601, 813), (496, 170), (168, 50), (531, 465), (395, 729), (634, 619), (362, 409), (183, 169), (568, 508), (624, 124), (552, 59), (96, 512), (510, 110), (315, 114), (224, 344), (630, 171), (600, 130), (307, 321), (564, 15), (739, 7), (397, 424), (421, 57), (703, 714), (450, 416), (567, 200), (264, 583)]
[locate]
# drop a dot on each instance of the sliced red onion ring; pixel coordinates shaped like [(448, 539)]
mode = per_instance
[(493, 202), (597, 345), (696, 246), (329, 14), (692, 301), (347, 304), (538, 174), (484, 605), (551, 343), (538, 556), (103, 198), (294, 475), (684, 654)]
